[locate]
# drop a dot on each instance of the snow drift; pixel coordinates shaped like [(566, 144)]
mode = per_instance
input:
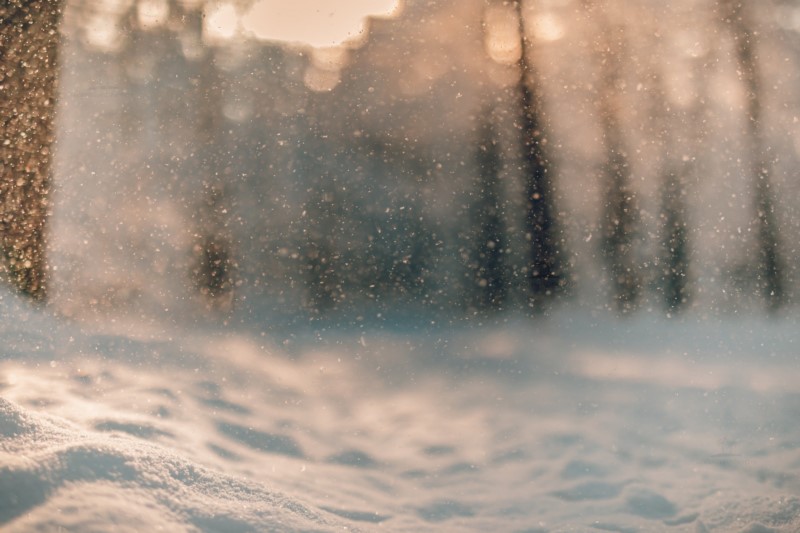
[(573, 424)]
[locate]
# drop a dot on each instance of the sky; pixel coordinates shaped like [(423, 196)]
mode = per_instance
[(319, 23), (316, 23)]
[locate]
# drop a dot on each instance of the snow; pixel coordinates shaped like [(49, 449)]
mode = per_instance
[(132, 403), (575, 423)]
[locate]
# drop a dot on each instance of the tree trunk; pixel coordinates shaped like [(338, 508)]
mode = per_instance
[(675, 240), (214, 265), (769, 267), (490, 268), (544, 260), (621, 212), (29, 42)]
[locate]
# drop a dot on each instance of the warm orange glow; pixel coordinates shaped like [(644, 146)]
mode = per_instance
[(152, 13), (502, 34), (321, 80), (548, 27), (221, 22), (324, 26), (317, 23), (331, 59), (101, 32)]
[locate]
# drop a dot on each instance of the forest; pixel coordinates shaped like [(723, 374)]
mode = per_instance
[(455, 158), (416, 265)]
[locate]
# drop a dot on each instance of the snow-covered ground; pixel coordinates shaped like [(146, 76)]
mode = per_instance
[(571, 424)]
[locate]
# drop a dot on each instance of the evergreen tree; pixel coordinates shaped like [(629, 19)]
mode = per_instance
[(544, 259), (769, 261), (320, 221), (214, 265), (28, 75), (490, 268), (675, 243), (673, 281), (620, 222), (621, 212), (324, 286)]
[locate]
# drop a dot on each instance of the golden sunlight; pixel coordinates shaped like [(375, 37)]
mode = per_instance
[(152, 13), (502, 34), (548, 27), (101, 32), (318, 23), (221, 22)]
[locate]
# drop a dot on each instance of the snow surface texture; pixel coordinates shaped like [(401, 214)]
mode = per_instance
[(571, 425)]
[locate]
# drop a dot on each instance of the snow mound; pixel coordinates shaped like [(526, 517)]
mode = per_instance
[(561, 426), (52, 469)]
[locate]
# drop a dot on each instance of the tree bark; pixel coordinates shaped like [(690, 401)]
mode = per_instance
[(29, 42)]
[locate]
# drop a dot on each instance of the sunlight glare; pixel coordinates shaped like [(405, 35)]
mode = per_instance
[(102, 33), (548, 27), (116, 7), (788, 17), (152, 13), (221, 23), (502, 35), (317, 23)]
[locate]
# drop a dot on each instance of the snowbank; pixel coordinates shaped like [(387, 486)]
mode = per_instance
[(570, 425)]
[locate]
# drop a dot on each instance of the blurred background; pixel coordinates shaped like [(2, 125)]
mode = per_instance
[(430, 159)]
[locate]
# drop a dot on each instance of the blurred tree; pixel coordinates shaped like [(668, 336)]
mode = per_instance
[(675, 240), (490, 271), (214, 264), (621, 212), (619, 230), (678, 164), (544, 260), (393, 265), (768, 269), (213, 267), (386, 244), (324, 286), (321, 217), (29, 42)]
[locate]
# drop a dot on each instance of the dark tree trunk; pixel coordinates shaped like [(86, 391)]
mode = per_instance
[(544, 260), (621, 217), (675, 243), (490, 267), (620, 227), (214, 265), (769, 267), (29, 42), (321, 224), (678, 166), (323, 281), (323, 286)]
